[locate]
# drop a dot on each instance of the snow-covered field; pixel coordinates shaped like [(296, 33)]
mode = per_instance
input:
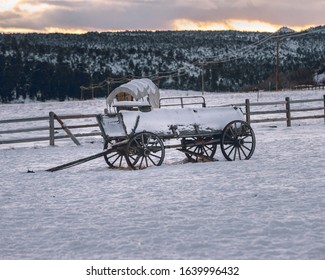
[(269, 207)]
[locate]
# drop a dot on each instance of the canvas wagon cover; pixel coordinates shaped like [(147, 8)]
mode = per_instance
[(139, 89)]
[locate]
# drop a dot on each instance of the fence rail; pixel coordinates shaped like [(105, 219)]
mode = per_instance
[(273, 112)]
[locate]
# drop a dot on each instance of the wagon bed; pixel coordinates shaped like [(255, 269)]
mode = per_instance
[(168, 123)]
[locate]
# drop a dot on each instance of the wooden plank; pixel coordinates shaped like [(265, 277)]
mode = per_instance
[(268, 120), (307, 109), (87, 134), (268, 103), (82, 126), (268, 112), (80, 116), (24, 130), (78, 135), (74, 139), (306, 100), (24, 120), (308, 117), (24, 140)]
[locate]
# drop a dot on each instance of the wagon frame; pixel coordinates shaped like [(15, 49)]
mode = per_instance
[(134, 139)]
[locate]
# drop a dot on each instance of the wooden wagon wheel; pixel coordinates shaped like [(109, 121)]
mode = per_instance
[(237, 141), (116, 159), (197, 148), (145, 149)]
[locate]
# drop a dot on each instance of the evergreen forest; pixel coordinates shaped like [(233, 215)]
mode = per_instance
[(63, 66)]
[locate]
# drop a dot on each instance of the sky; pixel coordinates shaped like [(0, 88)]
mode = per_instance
[(80, 16)]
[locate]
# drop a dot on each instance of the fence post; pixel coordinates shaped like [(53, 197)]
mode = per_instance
[(182, 104), (51, 128), (288, 112), (324, 107), (248, 111)]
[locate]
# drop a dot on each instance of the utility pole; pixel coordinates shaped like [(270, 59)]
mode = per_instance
[(202, 79), (277, 65)]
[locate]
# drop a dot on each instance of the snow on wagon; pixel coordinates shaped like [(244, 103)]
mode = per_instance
[(137, 129)]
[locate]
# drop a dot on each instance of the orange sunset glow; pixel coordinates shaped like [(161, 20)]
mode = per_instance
[(231, 24)]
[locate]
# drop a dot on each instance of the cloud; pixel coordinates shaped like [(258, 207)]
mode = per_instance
[(100, 15)]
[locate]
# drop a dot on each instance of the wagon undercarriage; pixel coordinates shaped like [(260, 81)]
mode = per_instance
[(145, 149)]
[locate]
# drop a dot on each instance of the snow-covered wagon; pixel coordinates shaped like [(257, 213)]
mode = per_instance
[(137, 130)]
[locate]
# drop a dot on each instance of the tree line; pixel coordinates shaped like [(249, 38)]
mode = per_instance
[(55, 66)]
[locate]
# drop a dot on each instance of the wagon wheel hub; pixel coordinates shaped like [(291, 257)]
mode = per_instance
[(238, 142), (146, 152)]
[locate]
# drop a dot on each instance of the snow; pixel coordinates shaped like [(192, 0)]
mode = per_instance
[(269, 207), (175, 121)]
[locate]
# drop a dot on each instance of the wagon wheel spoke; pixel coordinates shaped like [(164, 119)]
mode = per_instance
[(135, 160), (115, 159), (145, 149), (198, 147), (237, 141), (209, 148), (241, 148), (142, 158), (146, 159), (230, 152), (152, 161), (233, 147), (244, 146), (204, 151), (153, 155), (234, 157)]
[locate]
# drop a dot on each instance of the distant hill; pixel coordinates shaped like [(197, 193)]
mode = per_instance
[(47, 66), (285, 29)]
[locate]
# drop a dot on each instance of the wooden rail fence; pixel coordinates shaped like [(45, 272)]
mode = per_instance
[(275, 111), (286, 108), (44, 129)]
